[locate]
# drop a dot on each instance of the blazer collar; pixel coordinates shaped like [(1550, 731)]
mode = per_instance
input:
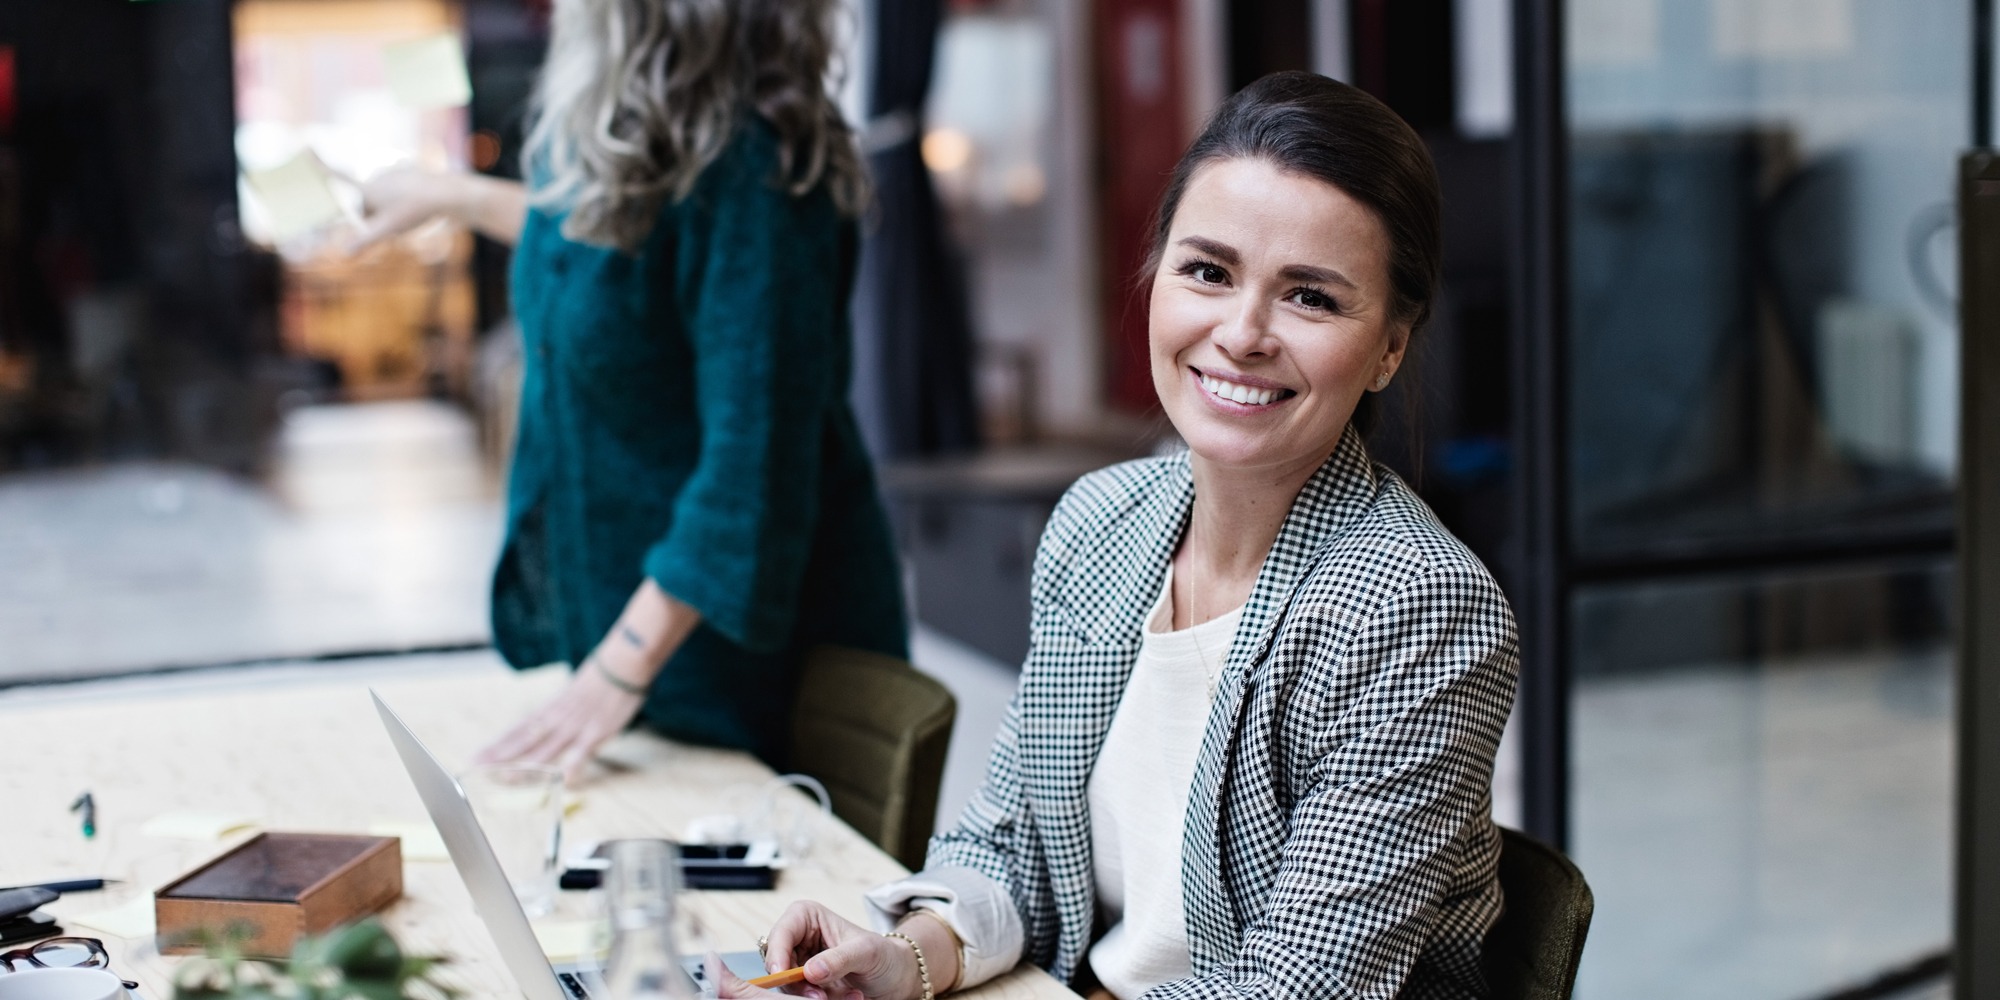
[(1334, 498), (1117, 579)]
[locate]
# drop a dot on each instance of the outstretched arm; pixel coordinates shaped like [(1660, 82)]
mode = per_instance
[(404, 198)]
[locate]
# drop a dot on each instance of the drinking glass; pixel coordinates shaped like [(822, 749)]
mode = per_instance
[(520, 808)]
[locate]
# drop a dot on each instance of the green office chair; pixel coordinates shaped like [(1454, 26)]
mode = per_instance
[(1533, 950), (874, 731)]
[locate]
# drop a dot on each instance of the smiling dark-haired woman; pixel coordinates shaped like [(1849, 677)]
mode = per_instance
[(1252, 748), (690, 505)]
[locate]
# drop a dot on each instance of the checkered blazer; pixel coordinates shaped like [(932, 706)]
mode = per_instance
[(1339, 839)]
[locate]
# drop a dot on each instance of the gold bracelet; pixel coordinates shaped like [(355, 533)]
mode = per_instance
[(923, 971), (955, 939)]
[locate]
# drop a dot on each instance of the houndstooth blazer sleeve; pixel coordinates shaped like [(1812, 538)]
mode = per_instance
[(1338, 840), (997, 833)]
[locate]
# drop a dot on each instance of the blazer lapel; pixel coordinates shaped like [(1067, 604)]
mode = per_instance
[(1078, 675), (1334, 496)]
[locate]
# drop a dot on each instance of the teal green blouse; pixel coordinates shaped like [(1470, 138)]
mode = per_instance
[(684, 417)]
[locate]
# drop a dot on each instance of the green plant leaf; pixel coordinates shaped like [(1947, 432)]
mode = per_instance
[(364, 950)]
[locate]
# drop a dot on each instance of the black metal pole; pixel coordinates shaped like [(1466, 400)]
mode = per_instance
[(1976, 910), (1982, 74), (1976, 970), (1539, 578)]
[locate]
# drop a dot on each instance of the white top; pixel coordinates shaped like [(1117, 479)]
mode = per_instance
[(1138, 797)]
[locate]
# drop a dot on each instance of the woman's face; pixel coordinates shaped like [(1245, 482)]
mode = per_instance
[(1271, 315)]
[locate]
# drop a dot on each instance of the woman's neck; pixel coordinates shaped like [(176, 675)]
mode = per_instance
[(1236, 517)]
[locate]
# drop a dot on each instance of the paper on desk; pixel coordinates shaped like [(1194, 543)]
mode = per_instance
[(187, 824), (296, 194), (569, 940), (427, 72), (421, 841), (130, 919)]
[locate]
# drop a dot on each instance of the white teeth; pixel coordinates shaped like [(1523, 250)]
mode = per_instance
[(1239, 393)]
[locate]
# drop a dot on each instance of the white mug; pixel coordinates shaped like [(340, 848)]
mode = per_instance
[(62, 984)]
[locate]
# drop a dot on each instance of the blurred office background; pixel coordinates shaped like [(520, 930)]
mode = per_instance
[(224, 444)]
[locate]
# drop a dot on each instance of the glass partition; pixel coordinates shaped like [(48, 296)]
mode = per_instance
[(1761, 375), (1761, 315)]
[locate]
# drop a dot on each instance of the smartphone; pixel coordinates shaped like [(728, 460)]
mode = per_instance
[(703, 866), (30, 927), (15, 902)]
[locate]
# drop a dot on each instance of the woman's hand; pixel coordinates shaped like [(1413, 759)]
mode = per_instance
[(841, 960), (401, 199), (729, 985), (567, 730)]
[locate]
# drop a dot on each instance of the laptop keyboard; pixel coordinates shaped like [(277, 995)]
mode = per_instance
[(572, 985)]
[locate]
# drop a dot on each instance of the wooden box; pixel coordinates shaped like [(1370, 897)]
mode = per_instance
[(283, 886)]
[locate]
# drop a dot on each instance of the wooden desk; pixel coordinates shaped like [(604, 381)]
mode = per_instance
[(303, 750)]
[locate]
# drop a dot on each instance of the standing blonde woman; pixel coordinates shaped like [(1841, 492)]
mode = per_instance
[(690, 505)]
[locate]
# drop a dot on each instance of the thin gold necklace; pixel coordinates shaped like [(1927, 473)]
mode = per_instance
[(1194, 633)]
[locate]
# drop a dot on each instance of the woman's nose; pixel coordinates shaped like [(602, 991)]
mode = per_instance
[(1244, 333)]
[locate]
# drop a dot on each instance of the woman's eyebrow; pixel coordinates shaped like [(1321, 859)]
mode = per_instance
[(1222, 252), (1316, 275)]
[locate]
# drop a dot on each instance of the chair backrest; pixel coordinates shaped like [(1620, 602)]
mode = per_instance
[(1533, 951), (874, 731)]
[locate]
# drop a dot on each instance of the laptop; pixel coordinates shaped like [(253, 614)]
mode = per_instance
[(493, 897)]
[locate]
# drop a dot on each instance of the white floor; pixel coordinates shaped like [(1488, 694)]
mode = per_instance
[(1771, 833), (983, 687), (377, 532)]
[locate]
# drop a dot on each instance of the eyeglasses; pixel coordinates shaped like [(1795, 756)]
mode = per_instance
[(61, 953)]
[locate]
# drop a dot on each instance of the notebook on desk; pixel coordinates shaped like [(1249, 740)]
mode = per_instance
[(493, 898)]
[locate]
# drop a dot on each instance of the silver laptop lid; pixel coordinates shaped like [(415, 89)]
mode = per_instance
[(492, 896)]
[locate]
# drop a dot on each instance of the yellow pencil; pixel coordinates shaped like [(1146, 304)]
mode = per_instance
[(778, 979)]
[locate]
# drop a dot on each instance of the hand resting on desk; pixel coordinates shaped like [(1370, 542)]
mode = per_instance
[(565, 732), (607, 689)]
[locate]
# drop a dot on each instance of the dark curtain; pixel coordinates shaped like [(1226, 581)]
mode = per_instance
[(913, 337)]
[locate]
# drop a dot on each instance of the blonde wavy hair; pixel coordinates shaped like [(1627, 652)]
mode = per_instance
[(637, 97)]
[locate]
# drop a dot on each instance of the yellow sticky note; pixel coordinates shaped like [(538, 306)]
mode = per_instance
[(193, 825), (571, 940), (130, 919), (427, 73), (296, 195), (421, 841)]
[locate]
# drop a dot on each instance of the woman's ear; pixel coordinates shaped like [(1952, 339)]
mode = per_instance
[(1399, 344), (1392, 358)]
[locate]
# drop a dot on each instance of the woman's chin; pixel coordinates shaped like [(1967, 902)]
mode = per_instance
[(1240, 448), (1224, 449)]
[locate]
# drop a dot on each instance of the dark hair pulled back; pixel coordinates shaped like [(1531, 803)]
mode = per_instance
[(1307, 124)]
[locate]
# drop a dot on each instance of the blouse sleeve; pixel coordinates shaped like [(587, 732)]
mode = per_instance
[(756, 275), (978, 909)]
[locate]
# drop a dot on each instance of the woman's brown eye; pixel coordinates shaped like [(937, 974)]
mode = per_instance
[(1210, 273), (1314, 300)]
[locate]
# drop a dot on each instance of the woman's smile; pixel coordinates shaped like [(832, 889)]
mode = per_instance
[(1234, 393)]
